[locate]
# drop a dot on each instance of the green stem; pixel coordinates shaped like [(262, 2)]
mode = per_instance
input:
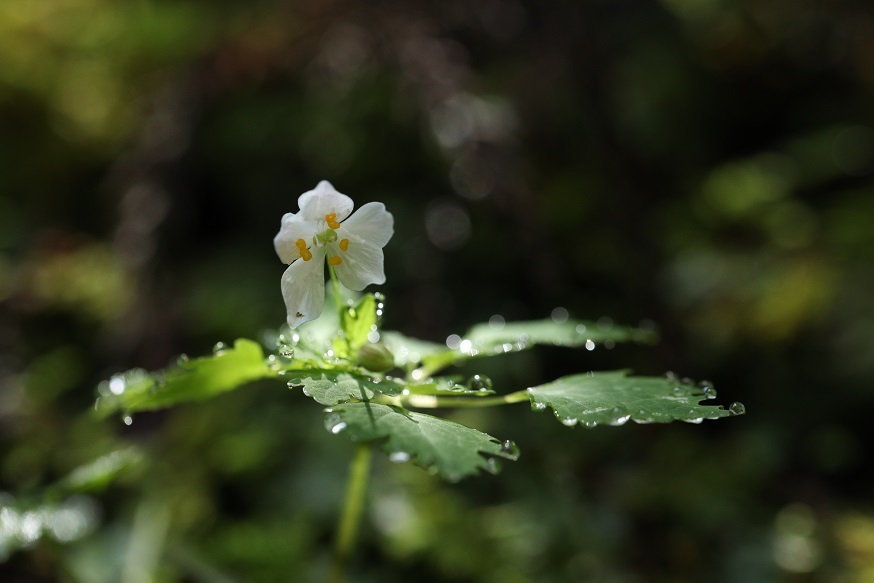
[(433, 401), (352, 509), (338, 299)]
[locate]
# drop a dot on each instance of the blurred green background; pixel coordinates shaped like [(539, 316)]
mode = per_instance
[(705, 165)]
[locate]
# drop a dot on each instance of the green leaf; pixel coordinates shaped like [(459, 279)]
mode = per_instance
[(489, 340), (447, 449), (330, 387), (612, 398), (359, 321), (98, 474), (200, 378), (409, 351)]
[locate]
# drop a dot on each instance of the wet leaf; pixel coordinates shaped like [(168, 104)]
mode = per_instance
[(443, 447), (192, 380), (612, 398), (489, 340), (334, 387)]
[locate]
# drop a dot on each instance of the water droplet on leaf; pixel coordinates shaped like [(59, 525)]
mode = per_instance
[(510, 450), (399, 457), (736, 409), (182, 359), (219, 348), (479, 383)]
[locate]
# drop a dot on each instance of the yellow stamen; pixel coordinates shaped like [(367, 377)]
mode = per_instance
[(344, 245), (304, 252), (331, 219), (335, 261)]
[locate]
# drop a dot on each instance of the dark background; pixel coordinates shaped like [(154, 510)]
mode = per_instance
[(702, 164)]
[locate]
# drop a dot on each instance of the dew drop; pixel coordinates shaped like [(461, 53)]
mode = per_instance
[(591, 424), (510, 450), (695, 420), (670, 376), (569, 421), (219, 348), (538, 406), (620, 420), (117, 385), (559, 315), (399, 457), (479, 382), (497, 322), (590, 345), (286, 351), (182, 359), (736, 408), (334, 423), (127, 420)]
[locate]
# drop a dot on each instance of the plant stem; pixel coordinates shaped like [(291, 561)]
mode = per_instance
[(433, 401), (338, 299), (352, 509)]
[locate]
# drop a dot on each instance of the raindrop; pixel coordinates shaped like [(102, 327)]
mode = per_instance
[(497, 322), (569, 421), (591, 424), (479, 383), (559, 315), (182, 359), (116, 385), (695, 420), (510, 450), (286, 351), (334, 423), (538, 406), (453, 341), (620, 420), (590, 345), (399, 457), (219, 348), (465, 346), (670, 376), (127, 420), (737, 408)]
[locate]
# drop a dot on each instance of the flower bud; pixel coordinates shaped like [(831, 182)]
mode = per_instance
[(376, 357)]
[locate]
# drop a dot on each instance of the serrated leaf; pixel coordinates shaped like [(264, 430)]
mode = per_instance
[(489, 340), (443, 447), (197, 379), (333, 387), (612, 398)]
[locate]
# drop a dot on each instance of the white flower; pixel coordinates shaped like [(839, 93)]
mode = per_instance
[(321, 229)]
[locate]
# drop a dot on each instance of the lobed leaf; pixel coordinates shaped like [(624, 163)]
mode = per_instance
[(197, 379), (443, 447), (612, 398), (330, 387)]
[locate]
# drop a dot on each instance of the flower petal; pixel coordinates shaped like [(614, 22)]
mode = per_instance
[(322, 200), (362, 263), (293, 228), (303, 288), (372, 223)]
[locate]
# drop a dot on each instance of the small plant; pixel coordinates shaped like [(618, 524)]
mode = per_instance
[(373, 383)]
